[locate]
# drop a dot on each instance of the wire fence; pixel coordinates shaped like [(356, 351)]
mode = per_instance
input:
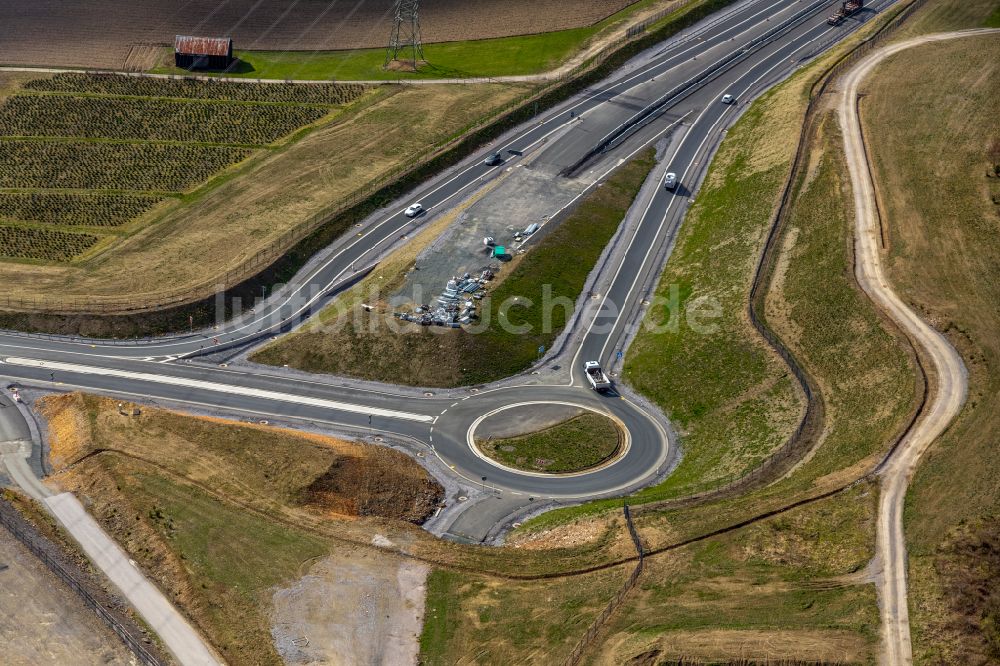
[(595, 627), (791, 451), (387, 187), (46, 551)]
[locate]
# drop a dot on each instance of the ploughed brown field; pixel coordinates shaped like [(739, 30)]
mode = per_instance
[(101, 33)]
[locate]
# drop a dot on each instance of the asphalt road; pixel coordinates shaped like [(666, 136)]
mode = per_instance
[(741, 52)]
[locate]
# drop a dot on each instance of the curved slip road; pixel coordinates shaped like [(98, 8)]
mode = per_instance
[(950, 377), (743, 52)]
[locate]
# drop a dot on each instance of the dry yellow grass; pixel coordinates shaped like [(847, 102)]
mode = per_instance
[(194, 241), (813, 646), (267, 468), (931, 163)]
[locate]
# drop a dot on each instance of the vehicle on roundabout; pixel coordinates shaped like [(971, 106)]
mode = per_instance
[(595, 375)]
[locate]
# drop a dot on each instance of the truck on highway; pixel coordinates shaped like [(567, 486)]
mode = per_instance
[(847, 7), (598, 380)]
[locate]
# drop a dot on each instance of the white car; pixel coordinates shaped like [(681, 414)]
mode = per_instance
[(728, 99), (670, 181), (414, 210)]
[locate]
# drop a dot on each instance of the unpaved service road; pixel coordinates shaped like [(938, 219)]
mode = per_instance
[(42, 621), (949, 377)]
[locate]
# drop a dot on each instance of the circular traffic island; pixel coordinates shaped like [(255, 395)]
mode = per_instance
[(549, 439)]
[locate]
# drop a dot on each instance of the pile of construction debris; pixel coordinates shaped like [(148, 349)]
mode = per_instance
[(456, 305)]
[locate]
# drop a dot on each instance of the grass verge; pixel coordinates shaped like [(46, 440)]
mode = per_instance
[(723, 389), (785, 590), (557, 267), (580, 443), (790, 588)]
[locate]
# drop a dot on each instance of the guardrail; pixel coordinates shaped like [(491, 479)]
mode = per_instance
[(655, 109), (42, 549), (780, 461)]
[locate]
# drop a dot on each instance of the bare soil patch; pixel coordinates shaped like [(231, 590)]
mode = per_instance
[(42, 621), (247, 462), (104, 33), (376, 619)]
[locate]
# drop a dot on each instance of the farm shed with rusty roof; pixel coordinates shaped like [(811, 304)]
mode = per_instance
[(203, 52)]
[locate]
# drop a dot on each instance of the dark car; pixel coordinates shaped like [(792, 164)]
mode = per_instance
[(494, 159)]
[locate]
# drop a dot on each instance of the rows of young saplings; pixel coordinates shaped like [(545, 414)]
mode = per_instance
[(151, 119), (114, 84), (49, 244), (107, 166), (92, 210)]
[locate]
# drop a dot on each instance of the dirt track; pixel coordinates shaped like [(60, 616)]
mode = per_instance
[(99, 33), (948, 375)]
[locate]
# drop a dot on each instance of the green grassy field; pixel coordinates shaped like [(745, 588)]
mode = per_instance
[(780, 589), (482, 620), (506, 56), (561, 261), (579, 443), (786, 588)]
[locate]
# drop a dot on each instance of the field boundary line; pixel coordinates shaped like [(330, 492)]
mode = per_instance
[(294, 248)]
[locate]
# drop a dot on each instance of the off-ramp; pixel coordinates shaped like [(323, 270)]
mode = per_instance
[(948, 372)]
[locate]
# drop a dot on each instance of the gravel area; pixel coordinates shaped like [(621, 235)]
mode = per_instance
[(524, 196), (361, 608)]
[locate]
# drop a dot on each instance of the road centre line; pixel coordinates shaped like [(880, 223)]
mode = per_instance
[(56, 366)]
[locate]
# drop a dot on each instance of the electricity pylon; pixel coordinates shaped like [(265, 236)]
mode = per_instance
[(405, 37)]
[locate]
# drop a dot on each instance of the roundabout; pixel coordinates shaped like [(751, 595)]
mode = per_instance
[(642, 454), (520, 433)]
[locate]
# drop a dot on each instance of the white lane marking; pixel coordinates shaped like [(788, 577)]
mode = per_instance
[(55, 366), (667, 211), (375, 226)]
